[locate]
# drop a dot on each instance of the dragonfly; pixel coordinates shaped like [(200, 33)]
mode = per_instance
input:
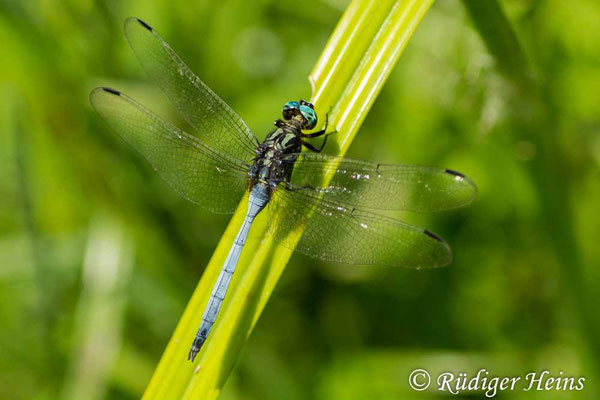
[(323, 206)]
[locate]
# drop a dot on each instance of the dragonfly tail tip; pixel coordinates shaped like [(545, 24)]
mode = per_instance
[(193, 353), (196, 346)]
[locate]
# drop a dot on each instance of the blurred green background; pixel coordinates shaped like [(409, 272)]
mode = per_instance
[(98, 257)]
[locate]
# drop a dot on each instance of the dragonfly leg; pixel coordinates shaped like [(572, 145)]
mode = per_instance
[(313, 148), (317, 134)]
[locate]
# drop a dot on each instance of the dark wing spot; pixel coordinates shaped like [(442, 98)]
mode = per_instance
[(455, 173), (111, 91), (433, 235), (145, 25)]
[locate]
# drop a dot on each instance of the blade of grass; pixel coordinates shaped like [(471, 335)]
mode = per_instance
[(348, 76), (495, 29)]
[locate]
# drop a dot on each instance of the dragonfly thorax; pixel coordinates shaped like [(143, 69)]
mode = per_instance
[(272, 164)]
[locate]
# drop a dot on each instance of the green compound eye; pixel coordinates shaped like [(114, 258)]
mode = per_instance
[(290, 109), (310, 116), (291, 105)]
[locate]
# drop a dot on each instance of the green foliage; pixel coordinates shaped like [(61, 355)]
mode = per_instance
[(98, 257)]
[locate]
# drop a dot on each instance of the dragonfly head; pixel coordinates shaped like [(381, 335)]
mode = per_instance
[(302, 108)]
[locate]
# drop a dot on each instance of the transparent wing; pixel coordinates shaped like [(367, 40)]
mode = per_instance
[(212, 119), (337, 233), (194, 170), (383, 186)]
